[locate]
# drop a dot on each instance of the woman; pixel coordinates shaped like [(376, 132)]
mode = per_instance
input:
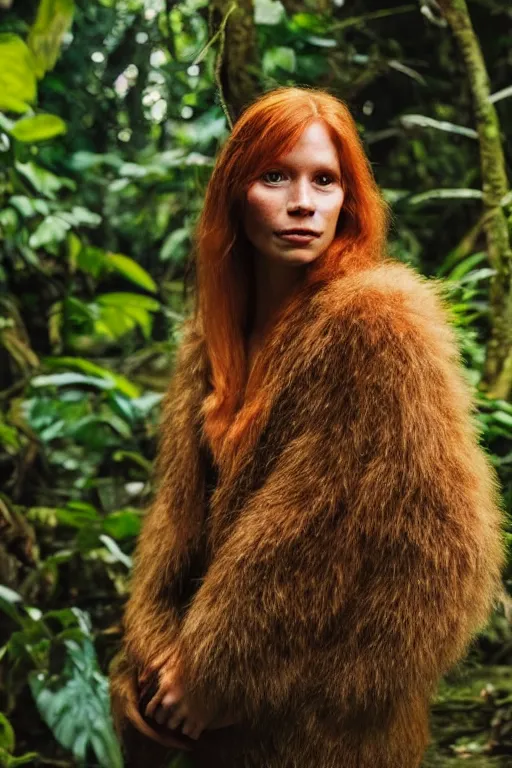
[(325, 539)]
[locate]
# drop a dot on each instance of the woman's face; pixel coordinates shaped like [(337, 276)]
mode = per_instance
[(301, 191)]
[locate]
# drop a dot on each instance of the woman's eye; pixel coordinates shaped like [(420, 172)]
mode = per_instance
[(325, 176), (270, 176), (266, 176)]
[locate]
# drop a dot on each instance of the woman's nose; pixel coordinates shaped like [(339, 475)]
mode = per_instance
[(300, 197)]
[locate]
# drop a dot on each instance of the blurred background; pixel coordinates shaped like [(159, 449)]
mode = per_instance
[(111, 114)]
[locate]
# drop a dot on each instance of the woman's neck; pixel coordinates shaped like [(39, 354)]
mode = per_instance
[(274, 282)]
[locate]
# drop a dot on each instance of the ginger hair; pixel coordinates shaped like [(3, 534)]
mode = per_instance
[(267, 129)]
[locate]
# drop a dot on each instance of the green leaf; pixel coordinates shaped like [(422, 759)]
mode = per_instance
[(8, 601), (477, 274), (321, 42), (115, 550), (7, 740), (122, 299), (278, 58), (84, 217), (9, 595), (18, 84), (113, 323), (9, 437), (133, 170), (11, 103), (53, 229), (8, 222), (394, 195), (9, 761), (122, 524), (84, 161), (43, 181), (38, 128), (65, 379), (466, 265), (74, 247), (268, 12), (91, 260), (121, 312), (310, 22), (28, 206), (117, 381), (78, 517), (131, 270), (54, 18), (75, 705), (174, 247), (503, 418)]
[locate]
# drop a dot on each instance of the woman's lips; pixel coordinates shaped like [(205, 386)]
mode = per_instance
[(298, 239)]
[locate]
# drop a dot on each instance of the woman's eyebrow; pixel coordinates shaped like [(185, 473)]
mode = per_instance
[(318, 166)]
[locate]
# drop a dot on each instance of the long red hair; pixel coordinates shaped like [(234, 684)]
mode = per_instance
[(267, 129)]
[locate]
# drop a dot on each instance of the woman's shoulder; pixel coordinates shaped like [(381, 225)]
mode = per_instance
[(384, 287), (391, 298)]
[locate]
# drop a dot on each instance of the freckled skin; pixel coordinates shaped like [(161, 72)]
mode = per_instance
[(301, 189)]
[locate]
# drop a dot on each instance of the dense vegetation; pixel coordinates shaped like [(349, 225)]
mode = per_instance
[(111, 113)]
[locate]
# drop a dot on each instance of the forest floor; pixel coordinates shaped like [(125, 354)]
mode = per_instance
[(471, 720)]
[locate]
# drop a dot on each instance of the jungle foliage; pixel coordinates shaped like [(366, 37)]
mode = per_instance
[(111, 114)]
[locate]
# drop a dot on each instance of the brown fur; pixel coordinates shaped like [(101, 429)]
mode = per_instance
[(349, 557)]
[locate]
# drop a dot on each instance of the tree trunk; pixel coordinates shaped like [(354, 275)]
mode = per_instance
[(237, 65), (497, 379)]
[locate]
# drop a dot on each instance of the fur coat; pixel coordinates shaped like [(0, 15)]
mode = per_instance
[(323, 586)]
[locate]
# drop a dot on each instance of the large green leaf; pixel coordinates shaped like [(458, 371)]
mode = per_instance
[(67, 379), (53, 229), (18, 84), (43, 181), (90, 259), (123, 299), (77, 515), (29, 206), (175, 246), (466, 265), (269, 12), (80, 216), (95, 261), (38, 128), (279, 58), (122, 524), (54, 18), (121, 312), (131, 270), (119, 382), (75, 705)]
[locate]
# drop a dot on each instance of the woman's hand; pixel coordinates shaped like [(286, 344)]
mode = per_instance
[(167, 658), (172, 706)]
